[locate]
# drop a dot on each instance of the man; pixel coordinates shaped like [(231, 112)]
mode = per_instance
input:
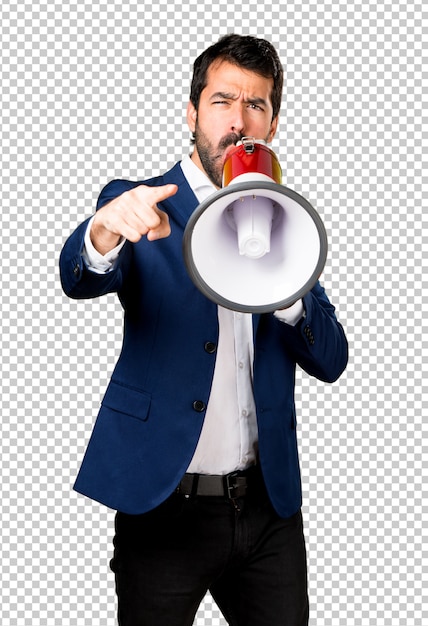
[(195, 442)]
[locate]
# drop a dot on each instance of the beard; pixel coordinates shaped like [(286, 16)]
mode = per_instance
[(212, 156)]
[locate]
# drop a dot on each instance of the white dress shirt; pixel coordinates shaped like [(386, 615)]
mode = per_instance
[(229, 437)]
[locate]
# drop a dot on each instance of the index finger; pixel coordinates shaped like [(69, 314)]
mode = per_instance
[(157, 194)]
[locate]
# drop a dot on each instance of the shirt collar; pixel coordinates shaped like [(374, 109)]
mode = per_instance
[(201, 185)]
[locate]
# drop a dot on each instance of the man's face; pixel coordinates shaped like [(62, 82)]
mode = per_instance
[(235, 103)]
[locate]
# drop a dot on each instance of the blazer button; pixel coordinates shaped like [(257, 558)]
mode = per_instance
[(308, 332), (199, 406), (210, 347), (76, 271)]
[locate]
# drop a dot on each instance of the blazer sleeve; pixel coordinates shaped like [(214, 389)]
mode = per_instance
[(77, 280), (318, 342)]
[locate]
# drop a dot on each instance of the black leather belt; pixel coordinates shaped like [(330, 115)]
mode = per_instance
[(233, 486)]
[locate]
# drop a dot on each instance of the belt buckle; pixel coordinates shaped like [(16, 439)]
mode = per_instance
[(236, 486)]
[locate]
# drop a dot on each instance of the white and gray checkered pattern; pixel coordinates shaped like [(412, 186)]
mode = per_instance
[(95, 90)]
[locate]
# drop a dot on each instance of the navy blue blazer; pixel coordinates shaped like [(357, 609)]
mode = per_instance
[(153, 410)]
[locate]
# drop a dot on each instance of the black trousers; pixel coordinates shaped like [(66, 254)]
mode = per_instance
[(252, 561)]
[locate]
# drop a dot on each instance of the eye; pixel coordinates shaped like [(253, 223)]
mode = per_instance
[(255, 107)]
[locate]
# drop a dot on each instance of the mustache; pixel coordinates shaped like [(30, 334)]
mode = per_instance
[(229, 140)]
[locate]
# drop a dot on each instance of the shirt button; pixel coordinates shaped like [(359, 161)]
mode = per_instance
[(199, 406), (244, 412)]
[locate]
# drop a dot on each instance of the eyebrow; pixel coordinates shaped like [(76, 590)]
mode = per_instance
[(230, 96)]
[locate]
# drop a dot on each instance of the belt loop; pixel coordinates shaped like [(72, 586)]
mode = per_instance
[(195, 483)]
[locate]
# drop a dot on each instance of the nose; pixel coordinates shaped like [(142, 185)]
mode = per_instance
[(237, 121)]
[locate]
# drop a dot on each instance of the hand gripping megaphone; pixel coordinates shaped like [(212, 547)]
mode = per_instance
[(254, 246)]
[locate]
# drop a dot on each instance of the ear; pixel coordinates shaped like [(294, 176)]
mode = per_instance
[(192, 116), (273, 128)]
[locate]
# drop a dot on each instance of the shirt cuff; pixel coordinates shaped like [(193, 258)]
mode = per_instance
[(291, 315), (96, 262)]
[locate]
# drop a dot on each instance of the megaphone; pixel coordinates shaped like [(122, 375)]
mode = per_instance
[(254, 246)]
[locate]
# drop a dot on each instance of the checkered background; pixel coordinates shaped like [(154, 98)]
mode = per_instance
[(95, 90)]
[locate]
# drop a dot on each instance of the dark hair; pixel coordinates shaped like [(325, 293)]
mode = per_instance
[(255, 55)]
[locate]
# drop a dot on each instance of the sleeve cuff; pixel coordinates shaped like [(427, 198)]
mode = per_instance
[(95, 261), (291, 315)]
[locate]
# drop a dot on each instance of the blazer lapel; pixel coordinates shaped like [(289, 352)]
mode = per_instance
[(184, 202), (256, 320)]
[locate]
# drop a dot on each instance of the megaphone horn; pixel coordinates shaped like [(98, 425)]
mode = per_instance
[(254, 246)]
